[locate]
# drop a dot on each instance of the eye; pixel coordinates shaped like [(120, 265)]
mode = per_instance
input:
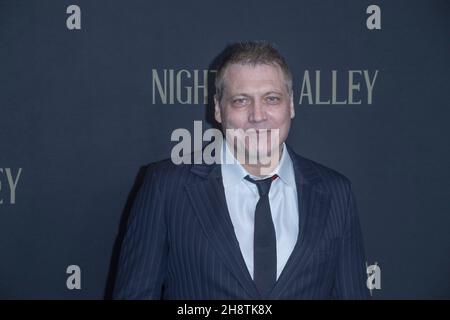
[(273, 99), (240, 101)]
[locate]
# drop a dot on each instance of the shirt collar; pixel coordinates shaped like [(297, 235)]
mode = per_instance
[(233, 172)]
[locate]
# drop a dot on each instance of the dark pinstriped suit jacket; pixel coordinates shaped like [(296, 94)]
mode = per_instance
[(180, 242)]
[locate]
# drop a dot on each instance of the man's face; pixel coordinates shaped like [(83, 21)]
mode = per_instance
[(255, 97)]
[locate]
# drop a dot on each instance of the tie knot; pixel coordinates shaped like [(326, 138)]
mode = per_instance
[(263, 185)]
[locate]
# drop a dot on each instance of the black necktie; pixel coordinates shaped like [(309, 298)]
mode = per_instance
[(264, 241)]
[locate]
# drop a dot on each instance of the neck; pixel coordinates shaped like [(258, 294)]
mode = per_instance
[(259, 169)]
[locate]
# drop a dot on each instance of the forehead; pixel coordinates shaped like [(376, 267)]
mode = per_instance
[(246, 78)]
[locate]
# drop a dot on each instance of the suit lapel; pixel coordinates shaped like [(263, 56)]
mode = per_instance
[(314, 206), (209, 203)]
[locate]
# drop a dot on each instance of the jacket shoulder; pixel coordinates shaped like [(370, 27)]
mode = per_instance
[(166, 169)]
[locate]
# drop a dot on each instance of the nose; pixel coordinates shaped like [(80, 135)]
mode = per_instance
[(257, 113)]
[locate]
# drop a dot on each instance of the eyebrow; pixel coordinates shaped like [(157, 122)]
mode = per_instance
[(240, 94), (271, 92), (264, 94)]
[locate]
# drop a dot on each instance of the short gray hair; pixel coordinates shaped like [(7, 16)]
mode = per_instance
[(253, 53)]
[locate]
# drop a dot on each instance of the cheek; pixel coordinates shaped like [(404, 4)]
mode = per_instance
[(282, 121), (281, 117), (235, 118)]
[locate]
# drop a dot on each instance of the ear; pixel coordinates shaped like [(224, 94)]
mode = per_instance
[(291, 107), (217, 114)]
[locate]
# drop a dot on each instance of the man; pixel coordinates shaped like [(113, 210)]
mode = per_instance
[(283, 229)]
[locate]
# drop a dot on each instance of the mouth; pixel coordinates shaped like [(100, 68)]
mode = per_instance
[(260, 130)]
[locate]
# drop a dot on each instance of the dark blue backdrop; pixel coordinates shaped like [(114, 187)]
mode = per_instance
[(80, 114)]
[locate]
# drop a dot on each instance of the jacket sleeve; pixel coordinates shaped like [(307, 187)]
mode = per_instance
[(143, 257), (350, 281)]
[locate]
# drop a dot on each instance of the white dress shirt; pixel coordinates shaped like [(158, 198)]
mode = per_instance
[(242, 197)]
